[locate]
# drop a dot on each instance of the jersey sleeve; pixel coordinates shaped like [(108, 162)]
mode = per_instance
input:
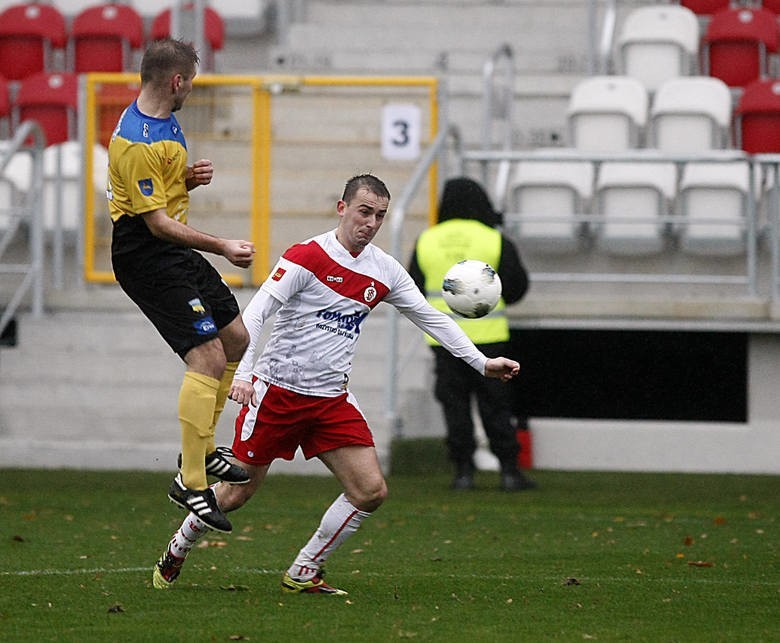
[(407, 298), (261, 307), (141, 171)]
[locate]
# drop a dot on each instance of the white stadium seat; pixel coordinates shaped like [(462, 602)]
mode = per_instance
[(550, 193), (631, 198), (691, 114), (713, 201), (607, 113), (658, 42)]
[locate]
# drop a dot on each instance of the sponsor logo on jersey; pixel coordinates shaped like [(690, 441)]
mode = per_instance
[(146, 187), (197, 306), (345, 324), (205, 326), (278, 274), (334, 278)]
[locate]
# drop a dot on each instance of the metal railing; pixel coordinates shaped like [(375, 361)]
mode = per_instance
[(432, 154), (30, 210)]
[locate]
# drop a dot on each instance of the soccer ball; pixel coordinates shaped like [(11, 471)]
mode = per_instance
[(471, 288)]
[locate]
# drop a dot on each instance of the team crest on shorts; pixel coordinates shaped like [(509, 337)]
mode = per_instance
[(369, 294)]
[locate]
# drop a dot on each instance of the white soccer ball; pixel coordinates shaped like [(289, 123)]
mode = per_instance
[(471, 288)]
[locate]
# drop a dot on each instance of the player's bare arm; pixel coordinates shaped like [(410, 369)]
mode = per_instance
[(199, 173), (237, 251), (501, 368), (243, 392)]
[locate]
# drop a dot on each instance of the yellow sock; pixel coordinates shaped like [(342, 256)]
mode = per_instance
[(197, 399), (222, 393)]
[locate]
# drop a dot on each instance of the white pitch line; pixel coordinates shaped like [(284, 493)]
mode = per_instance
[(584, 580)]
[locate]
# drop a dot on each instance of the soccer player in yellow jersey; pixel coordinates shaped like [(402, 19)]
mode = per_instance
[(153, 253)]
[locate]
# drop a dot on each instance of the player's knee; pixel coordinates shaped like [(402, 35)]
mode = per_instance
[(371, 496)]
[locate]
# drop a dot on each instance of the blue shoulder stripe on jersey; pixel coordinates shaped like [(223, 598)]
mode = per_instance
[(139, 128)]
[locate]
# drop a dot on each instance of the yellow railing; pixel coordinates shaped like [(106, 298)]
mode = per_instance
[(246, 120)]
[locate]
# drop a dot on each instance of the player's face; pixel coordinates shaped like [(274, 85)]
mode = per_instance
[(182, 86), (360, 219)]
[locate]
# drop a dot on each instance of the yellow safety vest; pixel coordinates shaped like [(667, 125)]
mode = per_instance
[(443, 245)]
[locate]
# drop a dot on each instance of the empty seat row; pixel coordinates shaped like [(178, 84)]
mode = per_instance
[(615, 113), (686, 115), (658, 42), (561, 199), (101, 38)]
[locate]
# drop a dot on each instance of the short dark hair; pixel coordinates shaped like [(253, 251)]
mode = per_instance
[(367, 181), (166, 57)]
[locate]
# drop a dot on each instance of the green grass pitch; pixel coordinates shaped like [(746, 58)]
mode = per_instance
[(587, 556)]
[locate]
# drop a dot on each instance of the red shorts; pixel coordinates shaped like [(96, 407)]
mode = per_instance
[(282, 421)]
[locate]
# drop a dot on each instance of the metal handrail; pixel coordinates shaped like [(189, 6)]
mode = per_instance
[(33, 271), (503, 54), (434, 151)]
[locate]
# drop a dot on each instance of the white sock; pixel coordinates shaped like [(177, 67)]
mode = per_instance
[(187, 535), (339, 522)]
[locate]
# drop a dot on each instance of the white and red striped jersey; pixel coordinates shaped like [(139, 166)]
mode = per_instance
[(321, 295)]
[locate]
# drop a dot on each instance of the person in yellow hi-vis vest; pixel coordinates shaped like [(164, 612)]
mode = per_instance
[(466, 229)]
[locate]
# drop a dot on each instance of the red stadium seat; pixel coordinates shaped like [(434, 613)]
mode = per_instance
[(757, 117), (103, 38), (52, 100), (737, 44), (705, 7), (214, 28), (28, 35)]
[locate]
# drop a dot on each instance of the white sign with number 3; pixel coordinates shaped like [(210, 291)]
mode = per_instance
[(400, 132)]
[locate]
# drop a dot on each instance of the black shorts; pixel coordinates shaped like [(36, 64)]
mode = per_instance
[(186, 299)]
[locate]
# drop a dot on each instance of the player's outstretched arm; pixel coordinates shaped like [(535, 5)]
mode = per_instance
[(501, 368)]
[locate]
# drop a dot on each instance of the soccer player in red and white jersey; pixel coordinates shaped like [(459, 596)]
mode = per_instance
[(294, 390)]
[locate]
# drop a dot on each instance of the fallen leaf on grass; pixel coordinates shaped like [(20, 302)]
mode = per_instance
[(688, 541), (237, 637), (116, 609), (700, 563), (571, 581), (18, 539), (235, 588)]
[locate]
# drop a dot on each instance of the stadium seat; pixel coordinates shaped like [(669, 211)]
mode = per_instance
[(29, 34), (757, 117), (556, 190), (712, 207), (690, 114), (104, 37), (737, 44), (657, 42), (607, 113), (631, 197), (62, 183), (5, 109), (705, 7), (52, 100), (15, 182), (213, 24)]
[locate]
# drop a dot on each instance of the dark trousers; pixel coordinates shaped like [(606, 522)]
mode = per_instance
[(456, 384)]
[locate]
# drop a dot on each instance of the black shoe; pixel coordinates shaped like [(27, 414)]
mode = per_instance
[(516, 481), (464, 478), (218, 465), (203, 503)]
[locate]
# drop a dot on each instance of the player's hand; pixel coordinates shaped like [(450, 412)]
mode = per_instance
[(239, 252), (199, 173), (501, 368), (243, 393)]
